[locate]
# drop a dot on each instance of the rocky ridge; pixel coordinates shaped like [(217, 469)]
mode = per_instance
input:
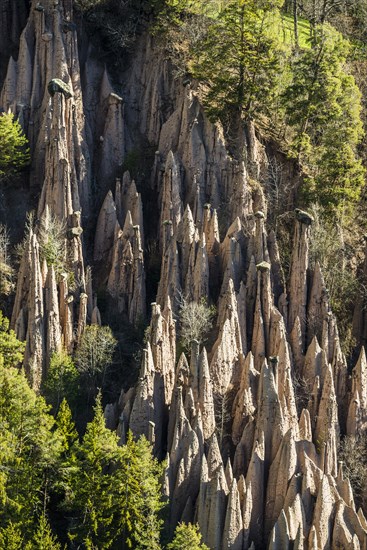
[(268, 475)]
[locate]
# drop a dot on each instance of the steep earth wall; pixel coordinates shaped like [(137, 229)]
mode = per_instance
[(269, 476)]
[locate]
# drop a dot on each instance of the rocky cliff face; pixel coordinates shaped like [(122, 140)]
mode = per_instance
[(251, 463)]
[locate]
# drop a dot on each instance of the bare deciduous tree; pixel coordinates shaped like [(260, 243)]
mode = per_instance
[(329, 249), (5, 267), (196, 319), (279, 191), (223, 414), (353, 454), (95, 352)]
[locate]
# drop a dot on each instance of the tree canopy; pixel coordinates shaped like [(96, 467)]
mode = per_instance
[(62, 380), (14, 151), (187, 537), (115, 490), (237, 60), (11, 349), (112, 491), (323, 106), (28, 451)]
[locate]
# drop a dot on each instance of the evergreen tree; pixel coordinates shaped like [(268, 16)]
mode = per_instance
[(11, 349), (93, 485), (30, 449), (11, 537), (238, 61), (115, 490), (323, 106), (65, 429), (140, 498), (67, 439), (187, 537), (14, 153), (7, 455), (43, 539)]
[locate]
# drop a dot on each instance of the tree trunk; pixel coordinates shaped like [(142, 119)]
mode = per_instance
[(295, 23)]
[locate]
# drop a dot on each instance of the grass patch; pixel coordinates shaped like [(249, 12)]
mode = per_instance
[(285, 28), (282, 27)]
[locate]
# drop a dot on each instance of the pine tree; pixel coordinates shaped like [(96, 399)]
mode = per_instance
[(238, 61), (140, 496), (323, 106), (14, 153), (31, 449), (7, 455), (67, 440), (11, 537), (115, 490), (43, 539), (93, 484), (65, 429), (11, 349), (187, 537)]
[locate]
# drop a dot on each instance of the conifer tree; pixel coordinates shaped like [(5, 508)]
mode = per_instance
[(11, 537), (187, 537), (66, 439), (65, 429), (323, 106), (238, 61), (140, 497), (7, 455), (115, 490), (31, 448), (92, 484), (11, 349), (14, 153), (43, 538)]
